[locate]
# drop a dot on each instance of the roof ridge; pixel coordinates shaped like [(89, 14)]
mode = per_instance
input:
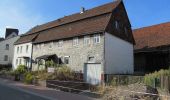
[(35, 29), (150, 26)]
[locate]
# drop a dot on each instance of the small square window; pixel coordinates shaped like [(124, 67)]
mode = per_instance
[(66, 60), (91, 59)]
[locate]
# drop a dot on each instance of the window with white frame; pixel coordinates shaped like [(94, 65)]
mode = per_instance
[(51, 45), (17, 49), (66, 59), (20, 61), (96, 38), (16, 61), (27, 47), (60, 43), (86, 40), (21, 49), (75, 41)]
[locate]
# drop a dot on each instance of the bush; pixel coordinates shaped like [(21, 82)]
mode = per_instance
[(21, 69), (28, 78), (153, 78)]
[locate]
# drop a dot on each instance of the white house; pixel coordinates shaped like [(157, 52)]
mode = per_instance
[(23, 51), (7, 47)]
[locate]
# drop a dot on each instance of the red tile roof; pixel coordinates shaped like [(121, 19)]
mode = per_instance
[(152, 36), (90, 21)]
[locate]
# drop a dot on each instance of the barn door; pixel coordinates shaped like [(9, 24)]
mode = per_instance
[(92, 73)]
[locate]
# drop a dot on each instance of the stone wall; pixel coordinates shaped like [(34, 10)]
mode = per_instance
[(78, 55)]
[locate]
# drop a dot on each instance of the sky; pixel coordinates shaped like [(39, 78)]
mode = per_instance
[(25, 14)]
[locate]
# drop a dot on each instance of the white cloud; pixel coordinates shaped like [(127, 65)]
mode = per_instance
[(16, 14)]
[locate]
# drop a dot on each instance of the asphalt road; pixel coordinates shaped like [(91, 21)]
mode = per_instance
[(9, 93)]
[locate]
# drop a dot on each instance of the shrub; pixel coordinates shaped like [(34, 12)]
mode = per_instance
[(28, 78), (21, 69), (153, 78)]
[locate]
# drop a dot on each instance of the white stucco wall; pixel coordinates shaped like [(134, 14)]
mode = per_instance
[(10, 52), (20, 55), (118, 56)]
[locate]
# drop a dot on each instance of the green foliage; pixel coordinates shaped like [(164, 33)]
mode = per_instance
[(153, 78), (21, 69), (49, 63), (28, 78)]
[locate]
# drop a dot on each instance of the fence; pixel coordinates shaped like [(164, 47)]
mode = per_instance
[(123, 79)]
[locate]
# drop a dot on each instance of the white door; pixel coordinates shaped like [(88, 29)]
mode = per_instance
[(92, 73)]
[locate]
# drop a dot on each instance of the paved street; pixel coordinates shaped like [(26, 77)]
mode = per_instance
[(8, 93), (10, 90)]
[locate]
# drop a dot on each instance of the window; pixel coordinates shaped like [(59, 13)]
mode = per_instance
[(51, 45), (117, 24), (27, 46), (75, 41), (17, 49), (6, 58), (21, 49), (97, 38), (126, 31), (7, 47), (86, 40), (60, 43), (66, 60), (91, 59), (20, 60), (16, 61)]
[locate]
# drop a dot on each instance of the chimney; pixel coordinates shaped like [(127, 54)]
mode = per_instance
[(82, 10)]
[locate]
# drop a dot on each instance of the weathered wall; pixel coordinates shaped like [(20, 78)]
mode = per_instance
[(9, 52), (118, 56), (78, 54)]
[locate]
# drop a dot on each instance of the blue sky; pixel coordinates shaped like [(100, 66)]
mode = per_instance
[(25, 14)]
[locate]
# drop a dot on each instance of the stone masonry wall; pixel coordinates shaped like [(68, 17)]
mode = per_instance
[(78, 54)]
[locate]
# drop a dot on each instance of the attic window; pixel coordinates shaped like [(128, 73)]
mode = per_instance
[(116, 24)]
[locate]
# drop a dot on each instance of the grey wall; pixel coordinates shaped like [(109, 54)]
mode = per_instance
[(78, 54), (9, 52)]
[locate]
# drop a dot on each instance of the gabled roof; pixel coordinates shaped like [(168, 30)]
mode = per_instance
[(152, 36), (93, 20)]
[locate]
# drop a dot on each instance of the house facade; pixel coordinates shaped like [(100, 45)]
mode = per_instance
[(23, 51), (7, 47), (152, 49), (95, 42)]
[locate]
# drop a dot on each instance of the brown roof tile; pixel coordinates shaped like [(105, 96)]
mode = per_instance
[(152, 36), (92, 20)]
